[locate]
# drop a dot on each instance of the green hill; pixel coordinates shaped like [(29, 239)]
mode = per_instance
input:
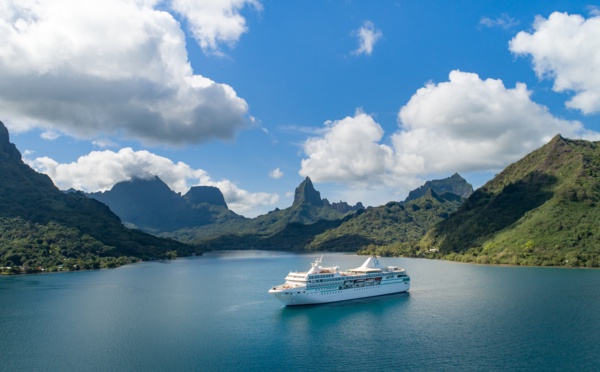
[(541, 210), (393, 223), (44, 228)]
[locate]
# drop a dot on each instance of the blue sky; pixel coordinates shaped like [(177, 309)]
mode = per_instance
[(368, 98)]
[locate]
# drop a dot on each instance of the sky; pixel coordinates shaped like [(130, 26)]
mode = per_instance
[(369, 99)]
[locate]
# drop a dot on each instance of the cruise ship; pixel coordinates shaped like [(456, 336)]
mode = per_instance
[(329, 284)]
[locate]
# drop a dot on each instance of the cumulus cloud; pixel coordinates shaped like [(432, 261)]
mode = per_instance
[(276, 173), (566, 48), (215, 21), (95, 68), (504, 21), (100, 170), (464, 124), (470, 124), (368, 36), (349, 150)]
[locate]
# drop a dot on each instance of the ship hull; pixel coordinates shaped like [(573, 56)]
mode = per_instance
[(297, 297)]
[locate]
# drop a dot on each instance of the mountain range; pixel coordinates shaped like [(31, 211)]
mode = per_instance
[(312, 222), (287, 228)]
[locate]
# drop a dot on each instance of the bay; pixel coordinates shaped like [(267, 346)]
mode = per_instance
[(213, 313)]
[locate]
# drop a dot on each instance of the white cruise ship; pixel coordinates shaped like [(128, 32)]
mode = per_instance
[(329, 284)]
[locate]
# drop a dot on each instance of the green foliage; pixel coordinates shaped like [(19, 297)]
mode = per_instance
[(27, 247)]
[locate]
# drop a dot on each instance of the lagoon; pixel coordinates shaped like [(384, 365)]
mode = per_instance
[(213, 313)]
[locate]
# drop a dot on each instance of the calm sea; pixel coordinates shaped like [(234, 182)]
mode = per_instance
[(213, 313)]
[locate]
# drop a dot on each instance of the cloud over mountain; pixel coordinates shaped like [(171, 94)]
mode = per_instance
[(566, 48), (100, 170), (95, 68)]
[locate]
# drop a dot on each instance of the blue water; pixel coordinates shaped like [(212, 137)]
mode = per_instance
[(213, 313)]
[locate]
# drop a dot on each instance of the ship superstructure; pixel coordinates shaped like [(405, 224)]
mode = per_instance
[(329, 284)]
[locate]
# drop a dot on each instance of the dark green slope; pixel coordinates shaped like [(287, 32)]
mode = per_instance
[(389, 224), (40, 225), (541, 210)]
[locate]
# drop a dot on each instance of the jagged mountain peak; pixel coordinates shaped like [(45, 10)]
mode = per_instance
[(306, 193), (6, 146)]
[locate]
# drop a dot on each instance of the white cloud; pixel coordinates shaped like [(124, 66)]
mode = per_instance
[(88, 68), (566, 48), (348, 151), (50, 135), (504, 21), (463, 125), (276, 173), (100, 170), (104, 142), (368, 36), (215, 21), (470, 124)]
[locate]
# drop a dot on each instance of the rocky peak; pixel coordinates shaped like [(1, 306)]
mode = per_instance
[(5, 146), (306, 193)]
